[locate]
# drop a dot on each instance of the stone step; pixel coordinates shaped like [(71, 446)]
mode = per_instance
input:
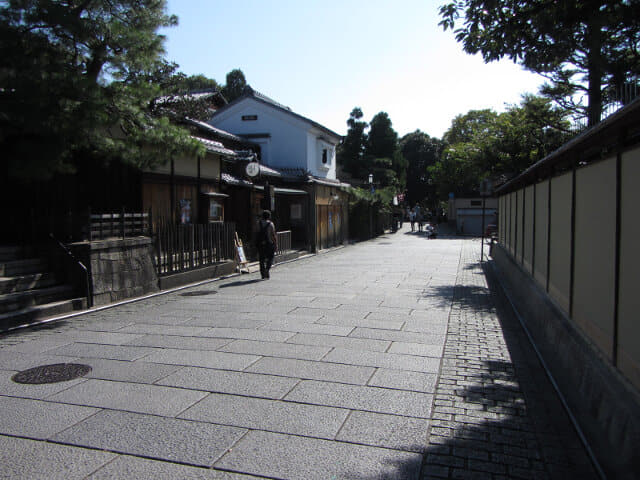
[(27, 282), (18, 300), (24, 266), (37, 313), (14, 252)]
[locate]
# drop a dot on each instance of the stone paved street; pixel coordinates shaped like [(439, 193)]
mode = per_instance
[(388, 359)]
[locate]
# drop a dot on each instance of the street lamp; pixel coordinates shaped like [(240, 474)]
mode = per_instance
[(371, 179)]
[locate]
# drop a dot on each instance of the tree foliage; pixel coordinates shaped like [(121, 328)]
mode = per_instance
[(77, 78), (484, 144), (234, 86), (420, 151), (586, 47), (372, 148), (382, 152), (350, 155)]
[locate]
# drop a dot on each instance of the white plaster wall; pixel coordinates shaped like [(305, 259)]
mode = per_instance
[(293, 143), (286, 146)]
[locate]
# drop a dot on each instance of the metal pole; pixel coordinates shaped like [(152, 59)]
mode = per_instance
[(482, 233)]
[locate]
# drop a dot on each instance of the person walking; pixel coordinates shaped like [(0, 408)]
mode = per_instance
[(267, 243)]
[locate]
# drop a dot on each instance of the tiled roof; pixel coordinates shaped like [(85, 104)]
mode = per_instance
[(215, 147), (231, 180), (293, 172), (209, 128), (251, 93)]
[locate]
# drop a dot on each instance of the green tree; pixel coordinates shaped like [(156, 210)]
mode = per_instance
[(483, 143), (580, 46), (235, 85), (350, 153), (420, 151), (178, 100), (383, 153), (77, 79)]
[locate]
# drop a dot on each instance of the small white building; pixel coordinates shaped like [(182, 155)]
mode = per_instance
[(303, 155), (466, 214), (287, 140)]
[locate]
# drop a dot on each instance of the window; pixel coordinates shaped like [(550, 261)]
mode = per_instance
[(215, 211), (476, 203), (324, 156)]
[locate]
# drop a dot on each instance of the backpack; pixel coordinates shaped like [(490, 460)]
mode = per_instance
[(261, 237)]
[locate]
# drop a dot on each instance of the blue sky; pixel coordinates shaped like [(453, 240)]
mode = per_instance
[(322, 58)]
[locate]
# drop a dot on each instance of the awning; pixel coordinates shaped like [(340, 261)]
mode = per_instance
[(269, 172), (283, 191), (215, 194)]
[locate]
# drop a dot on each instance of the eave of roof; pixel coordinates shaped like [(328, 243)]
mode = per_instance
[(215, 147), (211, 129)]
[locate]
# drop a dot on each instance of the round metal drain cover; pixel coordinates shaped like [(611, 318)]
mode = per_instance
[(59, 372), (199, 293)]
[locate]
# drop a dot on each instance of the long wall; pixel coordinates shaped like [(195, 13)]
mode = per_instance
[(567, 258), (563, 232)]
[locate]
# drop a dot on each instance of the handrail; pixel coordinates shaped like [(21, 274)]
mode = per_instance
[(80, 264)]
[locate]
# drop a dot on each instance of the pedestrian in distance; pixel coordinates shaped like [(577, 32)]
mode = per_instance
[(267, 243), (412, 219)]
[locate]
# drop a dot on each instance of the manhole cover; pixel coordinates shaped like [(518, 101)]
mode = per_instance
[(198, 293), (60, 372)]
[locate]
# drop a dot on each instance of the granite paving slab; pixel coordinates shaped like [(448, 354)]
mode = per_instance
[(357, 397), (125, 371), (271, 415), (390, 431), (333, 372), (404, 380), (93, 350), (40, 345), (342, 342), (231, 321), (38, 419), (307, 327), (183, 343), (198, 358), (132, 397), (177, 440), (398, 336), (182, 330), (40, 391), (385, 360), (270, 335), (105, 338), (28, 459), (127, 467), (351, 321), (23, 361), (410, 348), (223, 381), (299, 458), (276, 349)]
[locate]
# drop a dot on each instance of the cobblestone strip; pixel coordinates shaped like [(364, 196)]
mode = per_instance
[(481, 426)]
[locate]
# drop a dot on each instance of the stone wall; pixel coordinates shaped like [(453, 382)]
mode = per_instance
[(119, 268)]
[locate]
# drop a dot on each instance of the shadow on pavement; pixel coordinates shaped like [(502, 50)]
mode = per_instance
[(240, 283), (495, 417)]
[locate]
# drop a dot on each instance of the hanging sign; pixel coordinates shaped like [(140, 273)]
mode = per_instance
[(252, 169)]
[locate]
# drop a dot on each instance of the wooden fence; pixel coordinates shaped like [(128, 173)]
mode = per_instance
[(184, 247)]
